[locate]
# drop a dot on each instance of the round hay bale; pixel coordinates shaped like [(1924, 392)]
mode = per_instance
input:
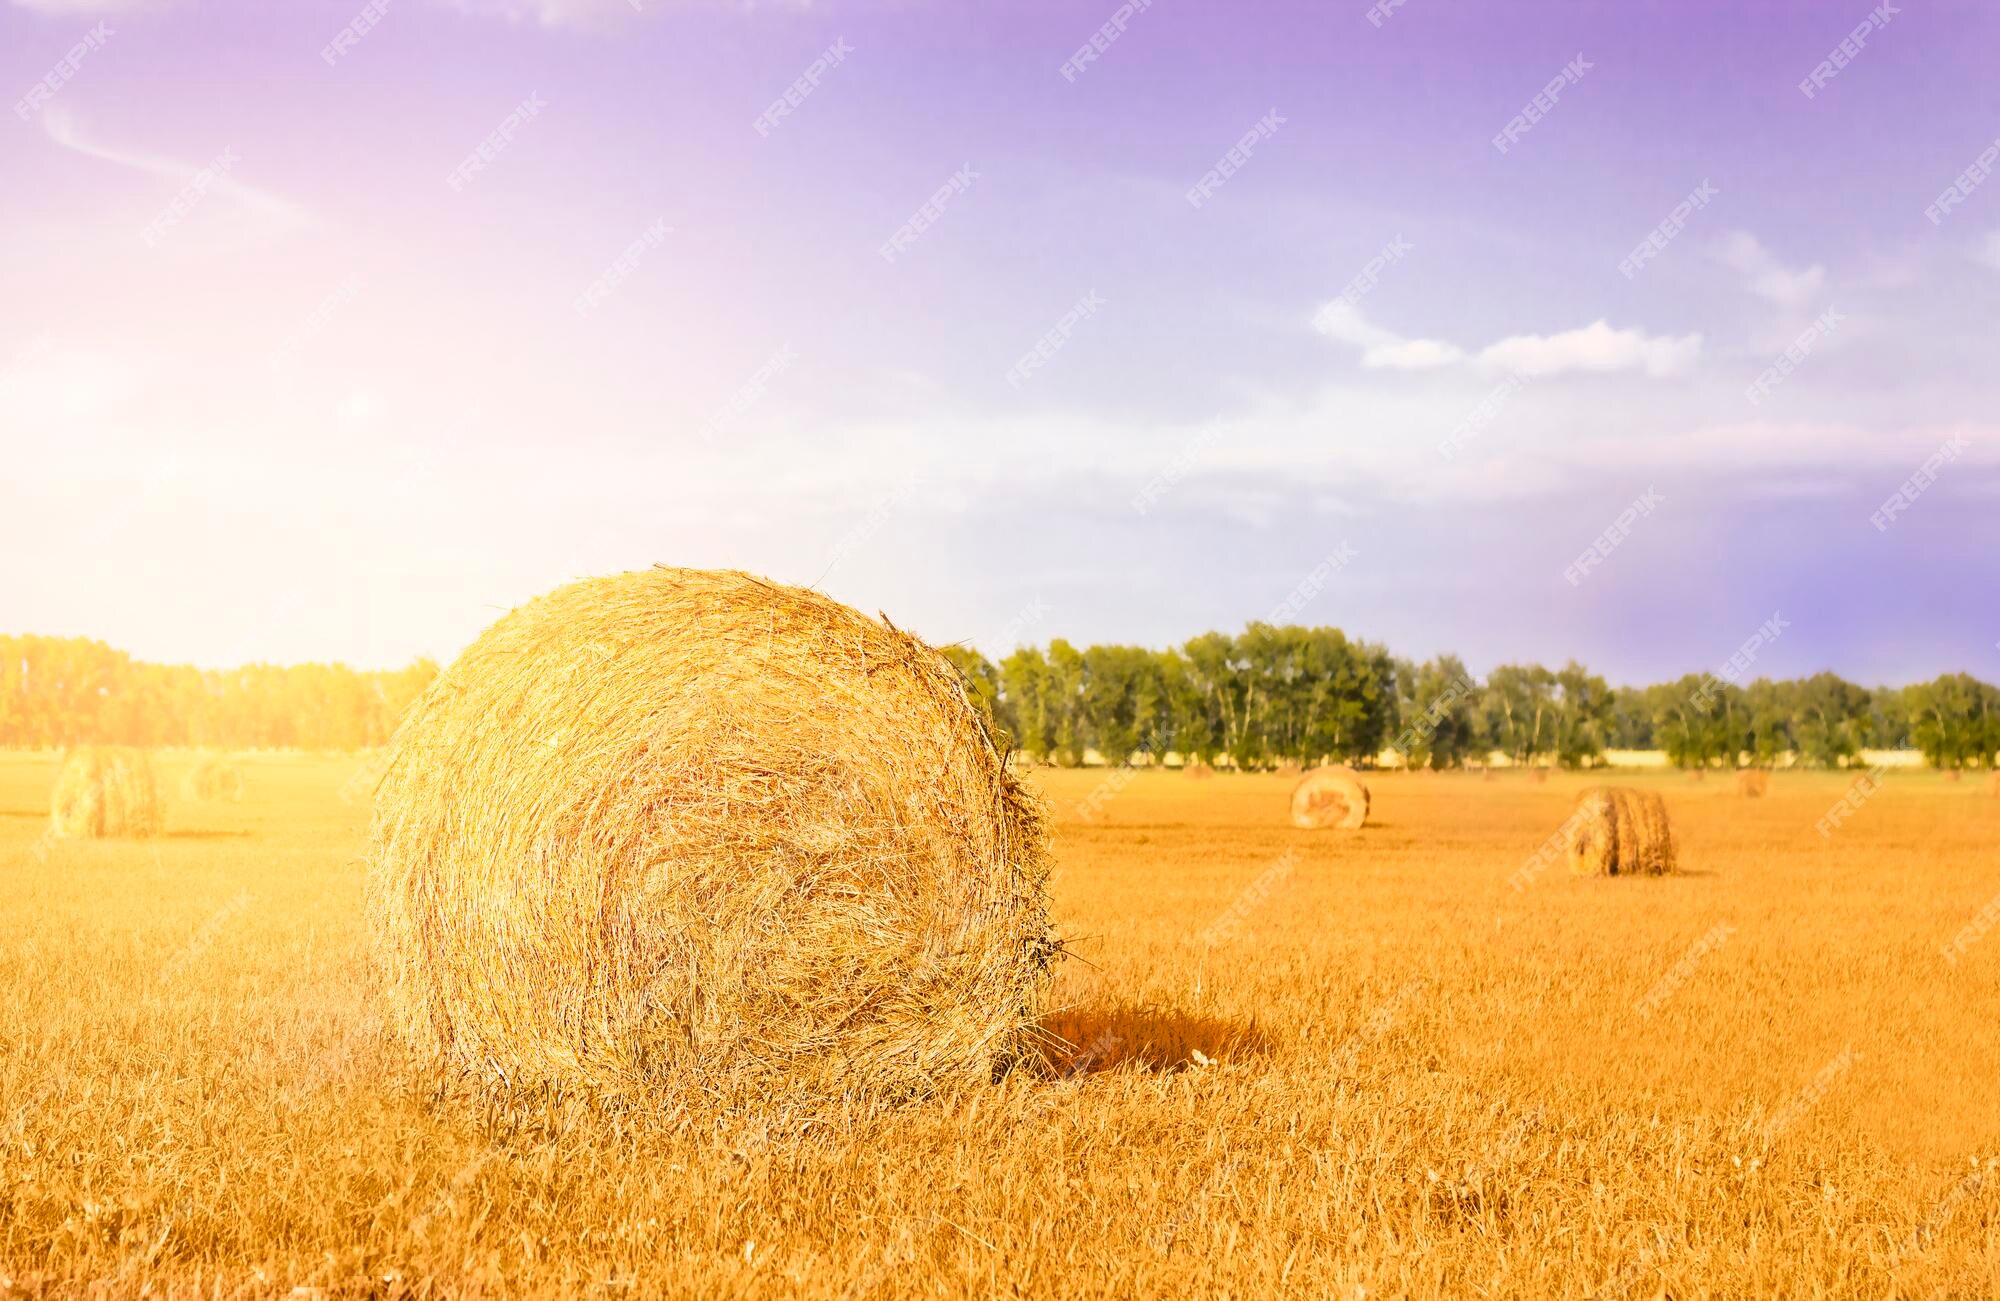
[(105, 790), (681, 827), (1753, 782), (1330, 797), (1289, 769), (1619, 831), (1199, 770), (213, 778)]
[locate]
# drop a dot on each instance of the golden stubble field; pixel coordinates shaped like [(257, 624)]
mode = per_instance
[(1396, 1075)]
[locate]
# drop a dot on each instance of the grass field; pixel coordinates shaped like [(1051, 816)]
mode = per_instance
[(1395, 1075)]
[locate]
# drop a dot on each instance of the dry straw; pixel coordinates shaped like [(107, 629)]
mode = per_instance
[(1330, 797), (105, 790), (1753, 782), (1619, 831), (213, 778), (693, 828)]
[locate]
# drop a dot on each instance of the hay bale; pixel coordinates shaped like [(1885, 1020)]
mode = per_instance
[(1619, 831), (1538, 775), (105, 790), (1200, 770), (1952, 774), (1289, 769), (1753, 782), (214, 778), (1330, 797), (1698, 775), (686, 828)]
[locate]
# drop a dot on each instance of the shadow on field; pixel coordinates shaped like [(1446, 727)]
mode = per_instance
[(1085, 1040)]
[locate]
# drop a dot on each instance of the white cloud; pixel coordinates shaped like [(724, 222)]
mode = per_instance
[(1384, 349), (84, 8), (599, 13), (1596, 347), (1988, 252), (1764, 276), (62, 129)]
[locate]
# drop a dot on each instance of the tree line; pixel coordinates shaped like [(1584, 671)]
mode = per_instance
[(1268, 695), (1272, 695), (68, 690)]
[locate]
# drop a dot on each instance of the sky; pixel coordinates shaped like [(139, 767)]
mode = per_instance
[(1522, 331)]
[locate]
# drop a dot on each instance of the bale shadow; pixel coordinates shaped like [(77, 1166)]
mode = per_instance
[(1085, 1040)]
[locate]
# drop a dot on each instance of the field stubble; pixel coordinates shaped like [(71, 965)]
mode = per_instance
[(1392, 1072)]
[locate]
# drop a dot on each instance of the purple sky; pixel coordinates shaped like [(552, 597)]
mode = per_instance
[(273, 387)]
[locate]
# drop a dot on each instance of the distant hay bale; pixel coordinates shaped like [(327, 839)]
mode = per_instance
[(1619, 831), (1490, 773), (1698, 774), (1952, 774), (105, 790), (1330, 797), (1538, 775), (214, 778), (1289, 769), (1200, 770), (685, 827), (1753, 782)]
